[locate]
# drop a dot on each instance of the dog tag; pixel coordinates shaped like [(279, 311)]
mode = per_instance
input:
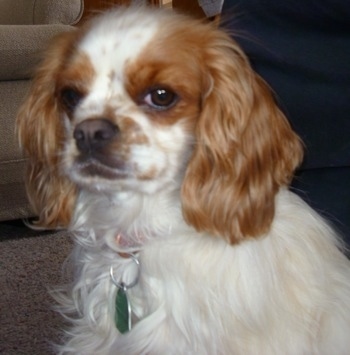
[(122, 311)]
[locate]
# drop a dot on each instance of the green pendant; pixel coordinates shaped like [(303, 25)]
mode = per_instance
[(122, 311)]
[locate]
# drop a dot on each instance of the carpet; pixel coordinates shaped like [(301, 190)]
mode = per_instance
[(30, 263)]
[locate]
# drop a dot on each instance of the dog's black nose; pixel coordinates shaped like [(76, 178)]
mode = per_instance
[(94, 134)]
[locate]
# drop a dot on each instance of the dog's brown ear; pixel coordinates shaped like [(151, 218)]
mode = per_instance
[(41, 135), (245, 149)]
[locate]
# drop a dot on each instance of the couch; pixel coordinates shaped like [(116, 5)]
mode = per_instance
[(26, 26)]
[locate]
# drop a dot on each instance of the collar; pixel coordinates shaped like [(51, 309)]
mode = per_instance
[(126, 243)]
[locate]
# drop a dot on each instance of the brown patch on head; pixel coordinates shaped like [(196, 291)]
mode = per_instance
[(77, 69), (76, 77), (172, 62)]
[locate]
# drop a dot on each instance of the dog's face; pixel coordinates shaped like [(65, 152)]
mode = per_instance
[(129, 98), (146, 101)]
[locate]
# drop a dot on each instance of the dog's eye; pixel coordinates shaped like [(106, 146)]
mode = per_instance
[(70, 98), (160, 98)]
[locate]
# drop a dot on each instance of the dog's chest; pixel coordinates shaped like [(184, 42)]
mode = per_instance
[(181, 281)]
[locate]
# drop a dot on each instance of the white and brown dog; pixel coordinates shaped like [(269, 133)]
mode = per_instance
[(149, 134)]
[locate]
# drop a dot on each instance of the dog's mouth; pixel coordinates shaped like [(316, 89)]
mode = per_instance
[(91, 167)]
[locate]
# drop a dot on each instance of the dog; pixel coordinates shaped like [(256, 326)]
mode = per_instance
[(150, 137)]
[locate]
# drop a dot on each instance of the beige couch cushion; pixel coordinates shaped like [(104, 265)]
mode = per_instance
[(34, 12), (21, 42), (21, 48)]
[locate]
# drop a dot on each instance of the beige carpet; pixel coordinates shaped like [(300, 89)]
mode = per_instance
[(30, 262)]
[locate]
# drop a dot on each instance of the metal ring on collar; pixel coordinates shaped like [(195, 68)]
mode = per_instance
[(122, 285)]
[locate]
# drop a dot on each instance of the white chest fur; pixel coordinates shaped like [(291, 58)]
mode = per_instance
[(199, 295)]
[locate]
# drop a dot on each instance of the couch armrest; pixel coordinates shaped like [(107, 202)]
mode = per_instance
[(21, 48)]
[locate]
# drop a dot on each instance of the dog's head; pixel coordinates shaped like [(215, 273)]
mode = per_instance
[(146, 100)]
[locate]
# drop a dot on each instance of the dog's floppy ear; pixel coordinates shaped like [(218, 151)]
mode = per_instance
[(41, 135), (244, 151)]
